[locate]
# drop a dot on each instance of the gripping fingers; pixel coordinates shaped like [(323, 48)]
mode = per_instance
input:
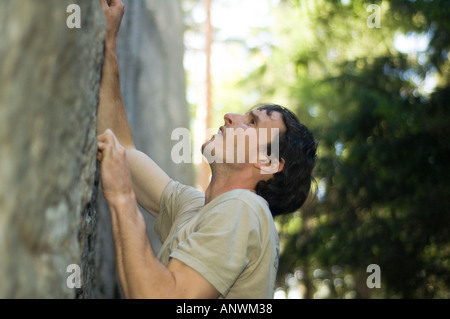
[(105, 144), (100, 151), (108, 4), (107, 137), (105, 3), (108, 145)]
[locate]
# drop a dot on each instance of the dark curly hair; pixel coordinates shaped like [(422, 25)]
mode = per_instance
[(288, 189)]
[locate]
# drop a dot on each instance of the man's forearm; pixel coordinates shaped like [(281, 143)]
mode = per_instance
[(111, 111), (140, 272)]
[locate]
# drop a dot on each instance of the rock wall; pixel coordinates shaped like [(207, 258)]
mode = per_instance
[(52, 214)]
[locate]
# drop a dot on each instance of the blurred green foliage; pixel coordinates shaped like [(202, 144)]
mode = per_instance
[(381, 114)]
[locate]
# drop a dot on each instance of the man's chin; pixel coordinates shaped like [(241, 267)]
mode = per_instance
[(211, 140)]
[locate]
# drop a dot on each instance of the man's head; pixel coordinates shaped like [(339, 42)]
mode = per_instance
[(243, 141), (284, 177)]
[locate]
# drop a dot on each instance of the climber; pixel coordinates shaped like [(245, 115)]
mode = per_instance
[(219, 244)]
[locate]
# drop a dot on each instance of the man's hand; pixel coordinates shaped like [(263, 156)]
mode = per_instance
[(114, 11), (115, 173)]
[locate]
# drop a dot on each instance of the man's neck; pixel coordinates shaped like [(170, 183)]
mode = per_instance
[(223, 181)]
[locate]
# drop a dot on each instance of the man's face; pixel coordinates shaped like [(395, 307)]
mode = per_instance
[(244, 137)]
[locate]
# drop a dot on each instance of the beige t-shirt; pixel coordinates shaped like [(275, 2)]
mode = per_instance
[(232, 241)]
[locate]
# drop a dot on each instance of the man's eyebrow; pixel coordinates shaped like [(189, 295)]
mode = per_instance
[(254, 116)]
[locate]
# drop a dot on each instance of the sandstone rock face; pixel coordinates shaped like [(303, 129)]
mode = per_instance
[(52, 214)]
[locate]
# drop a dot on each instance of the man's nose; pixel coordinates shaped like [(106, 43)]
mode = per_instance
[(231, 119)]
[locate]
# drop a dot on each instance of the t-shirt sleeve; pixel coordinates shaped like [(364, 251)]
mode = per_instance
[(222, 244), (175, 201)]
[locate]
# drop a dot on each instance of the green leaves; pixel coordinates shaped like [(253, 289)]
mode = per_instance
[(383, 143)]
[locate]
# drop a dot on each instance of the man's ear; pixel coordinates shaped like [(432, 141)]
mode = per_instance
[(269, 165)]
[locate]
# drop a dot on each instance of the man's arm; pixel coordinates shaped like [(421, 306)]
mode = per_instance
[(140, 272), (149, 180), (111, 111), (122, 169)]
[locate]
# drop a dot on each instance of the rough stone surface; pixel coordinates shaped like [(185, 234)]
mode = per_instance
[(52, 213)]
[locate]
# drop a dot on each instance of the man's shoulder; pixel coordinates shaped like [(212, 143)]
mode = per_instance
[(244, 196), (241, 203), (182, 193)]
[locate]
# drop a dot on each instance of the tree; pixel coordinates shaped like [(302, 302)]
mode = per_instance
[(383, 135)]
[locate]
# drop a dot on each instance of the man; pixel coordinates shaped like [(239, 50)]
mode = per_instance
[(221, 244)]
